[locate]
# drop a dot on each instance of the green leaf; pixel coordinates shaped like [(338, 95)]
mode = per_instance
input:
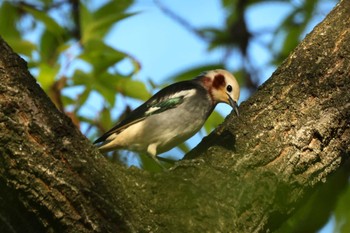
[(109, 85), (105, 119), (86, 18), (96, 25), (81, 78), (82, 98), (8, 18), (8, 27), (113, 7), (108, 94), (213, 121), (48, 47), (50, 24), (105, 84), (133, 88), (23, 47), (240, 76), (67, 100), (342, 212), (101, 56), (100, 27), (47, 75), (291, 40), (53, 36)]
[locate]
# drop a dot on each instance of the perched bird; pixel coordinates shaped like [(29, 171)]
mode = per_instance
[(172, 115)]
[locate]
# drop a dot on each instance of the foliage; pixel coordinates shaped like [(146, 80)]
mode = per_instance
[(342, 212), (70, 58), (66, 47)]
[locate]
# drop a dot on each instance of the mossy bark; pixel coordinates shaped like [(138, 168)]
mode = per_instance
[(250, 175)]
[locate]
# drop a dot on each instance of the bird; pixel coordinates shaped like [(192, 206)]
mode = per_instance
[(172, 115)]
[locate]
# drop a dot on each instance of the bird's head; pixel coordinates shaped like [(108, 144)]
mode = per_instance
[(222, 87)]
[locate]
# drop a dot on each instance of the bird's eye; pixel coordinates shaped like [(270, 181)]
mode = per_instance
[(229, 88)]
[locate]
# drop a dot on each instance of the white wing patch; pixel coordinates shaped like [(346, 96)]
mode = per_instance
[(151, 110), (185, 94)]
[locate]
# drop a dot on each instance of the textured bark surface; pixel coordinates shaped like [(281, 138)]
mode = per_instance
[(250, 175)]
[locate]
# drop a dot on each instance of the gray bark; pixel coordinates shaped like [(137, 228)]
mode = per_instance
[(289, 146)]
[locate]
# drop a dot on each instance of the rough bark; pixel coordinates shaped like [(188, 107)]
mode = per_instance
[(250, 175)]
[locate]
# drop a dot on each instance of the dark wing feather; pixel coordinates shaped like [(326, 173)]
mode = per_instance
[(160, 101)]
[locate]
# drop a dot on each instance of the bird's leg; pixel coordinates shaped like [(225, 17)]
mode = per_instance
[(152, 152)]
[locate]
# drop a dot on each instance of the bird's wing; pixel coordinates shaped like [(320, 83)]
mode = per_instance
[(165, 99)]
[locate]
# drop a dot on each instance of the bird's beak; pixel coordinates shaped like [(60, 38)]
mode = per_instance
[(233, 104)]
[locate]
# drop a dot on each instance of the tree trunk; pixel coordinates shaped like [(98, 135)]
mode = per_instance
[(250, 175)]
